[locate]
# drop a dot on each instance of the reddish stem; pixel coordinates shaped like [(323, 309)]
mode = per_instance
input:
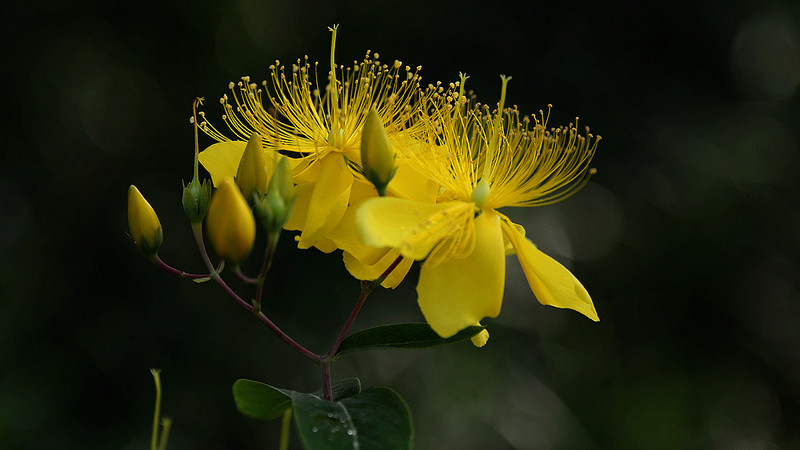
[(160, 263), (366, 288), (327, 384), (255, 310)]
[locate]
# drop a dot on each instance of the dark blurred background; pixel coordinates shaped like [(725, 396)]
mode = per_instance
[(687, 238)]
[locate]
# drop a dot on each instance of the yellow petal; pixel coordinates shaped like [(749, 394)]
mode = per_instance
[(509, 247), (480, 339), (410, 184), (305, 170), (413, 228), (325, 246), (362, 271), (460, 292), (551, 282), (328, 201), (221, 160), (345, 235), (297, 219)]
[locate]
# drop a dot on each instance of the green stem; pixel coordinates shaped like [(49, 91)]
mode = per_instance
[(166, 424), (157, 413), (285, 429)]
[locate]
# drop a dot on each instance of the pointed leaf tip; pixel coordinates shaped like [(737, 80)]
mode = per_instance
[(403, 336)]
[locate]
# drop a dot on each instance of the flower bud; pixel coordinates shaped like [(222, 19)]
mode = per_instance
[(252, 171), (274, 209), (195, 199), (377, 157), (143, 223), (231, 226)]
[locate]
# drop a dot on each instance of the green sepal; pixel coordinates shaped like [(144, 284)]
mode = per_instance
[(403, 336), (195, 199), (274, 209), (380, 185), (150, 248)]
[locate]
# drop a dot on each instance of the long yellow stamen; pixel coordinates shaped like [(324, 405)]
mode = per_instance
[(497, 130), (295, 112), (333, 93), (496, 159)]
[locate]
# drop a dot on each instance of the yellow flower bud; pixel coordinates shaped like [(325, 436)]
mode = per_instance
[(143, 223), (231, 226), (252, 172), (377, 157)]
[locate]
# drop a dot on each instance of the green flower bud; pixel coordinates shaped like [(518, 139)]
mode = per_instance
[(274, 209), (377, 157), (143, 223), (195, 199)]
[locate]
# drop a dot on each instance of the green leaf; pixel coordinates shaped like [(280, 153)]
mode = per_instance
[(376, 418), (262, 401), (402, 335), (259, 400)]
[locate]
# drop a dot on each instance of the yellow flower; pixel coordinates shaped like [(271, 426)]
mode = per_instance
[(320, 127), (230, 222), (143, 223), (364, 262), (483, 162)]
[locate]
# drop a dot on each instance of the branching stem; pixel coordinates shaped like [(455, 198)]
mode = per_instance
[(160, 263), (366, 288), (197, 228)]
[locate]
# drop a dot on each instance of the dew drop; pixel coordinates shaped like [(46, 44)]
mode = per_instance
[(350, 432), (314, 429)]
